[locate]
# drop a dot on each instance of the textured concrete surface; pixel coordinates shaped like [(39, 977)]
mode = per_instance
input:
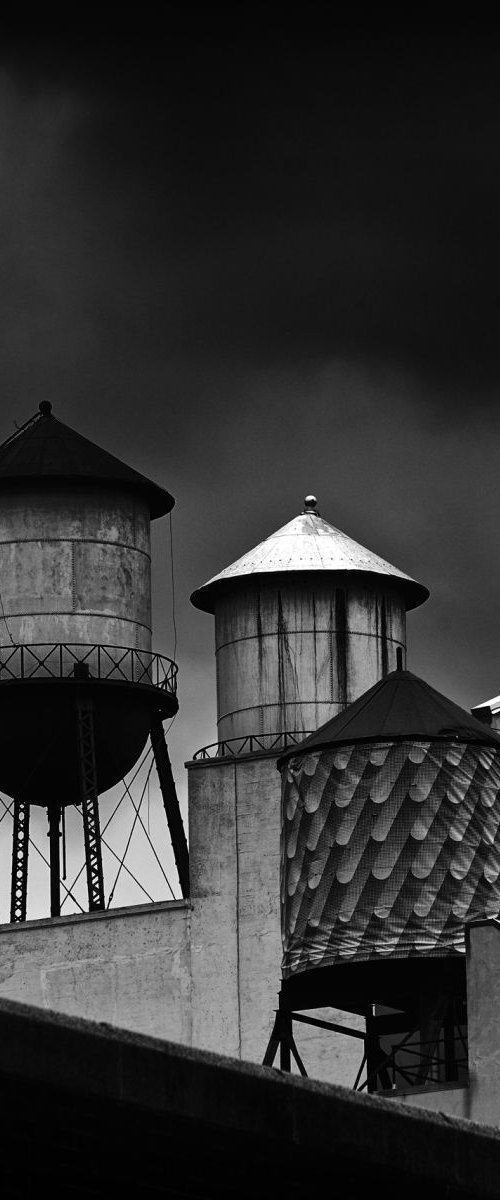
[(234, 837), (90, 1111), (483, 989), (130, 967)]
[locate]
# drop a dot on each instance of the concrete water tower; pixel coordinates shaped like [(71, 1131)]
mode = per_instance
[(304, 623), (390, 847), (80, 687)]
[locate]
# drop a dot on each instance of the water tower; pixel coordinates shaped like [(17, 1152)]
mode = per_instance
[(304, 623), (80, 687), (390, 846)]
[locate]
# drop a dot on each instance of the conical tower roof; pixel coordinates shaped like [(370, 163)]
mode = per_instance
[(46, 448), (308, 543), (399, 706)]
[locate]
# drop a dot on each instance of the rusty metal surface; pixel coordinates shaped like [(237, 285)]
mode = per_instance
[(292, 657), (75, 564), (308, 543)]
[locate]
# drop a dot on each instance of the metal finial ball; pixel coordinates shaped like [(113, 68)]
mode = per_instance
[(310, 501), (45, 408)]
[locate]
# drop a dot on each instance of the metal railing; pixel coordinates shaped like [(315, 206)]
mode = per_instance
[(70, 660), (421, 1064), (262, 743)]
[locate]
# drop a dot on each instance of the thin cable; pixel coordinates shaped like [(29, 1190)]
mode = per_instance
[(130, 839), (144, 758), (167, 881), (147, 752), (172, 578), (136, 810), (127, 869)]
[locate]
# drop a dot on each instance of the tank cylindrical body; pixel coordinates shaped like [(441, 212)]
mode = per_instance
[(388, 848), (291, 653), (304, 623), (75, 564), (75, 612)]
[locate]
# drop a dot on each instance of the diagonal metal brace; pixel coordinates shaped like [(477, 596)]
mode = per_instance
[(282, 1039), (171, 804), (89, 801)]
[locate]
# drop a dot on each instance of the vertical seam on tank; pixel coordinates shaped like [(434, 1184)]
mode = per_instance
[(383, 637), (238, 991), (73, 577)]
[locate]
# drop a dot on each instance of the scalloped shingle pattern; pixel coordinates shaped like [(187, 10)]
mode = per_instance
[(388, 849)]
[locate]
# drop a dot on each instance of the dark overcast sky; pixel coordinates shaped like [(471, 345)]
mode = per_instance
[(262, 260)]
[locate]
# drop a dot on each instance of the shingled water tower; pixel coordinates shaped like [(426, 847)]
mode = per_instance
[(80, 687), (390, 848), (304, 623)]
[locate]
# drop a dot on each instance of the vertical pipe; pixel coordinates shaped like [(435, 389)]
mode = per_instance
[(54, 815), (285, 1040)]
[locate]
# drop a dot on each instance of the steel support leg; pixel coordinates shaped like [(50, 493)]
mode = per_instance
[(89, 800), (282, 1039), (20, 845), (54, 815), (171, 804)]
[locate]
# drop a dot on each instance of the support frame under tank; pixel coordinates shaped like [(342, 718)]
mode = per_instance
[(74, 719), (415, 1014)]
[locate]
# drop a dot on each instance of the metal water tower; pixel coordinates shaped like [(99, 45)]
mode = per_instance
[(304, 623), (390, 846), (80, 687)]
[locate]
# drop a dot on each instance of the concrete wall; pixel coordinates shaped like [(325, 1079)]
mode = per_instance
[(130, 967), (292, 657), (88, 1111), (483, 1004), (205, 973), (234, 837)]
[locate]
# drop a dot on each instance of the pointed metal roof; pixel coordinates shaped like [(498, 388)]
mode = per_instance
[(46, 448), (399, 706), (307, 543)]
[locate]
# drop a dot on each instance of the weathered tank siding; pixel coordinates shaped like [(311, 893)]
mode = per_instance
[(75, 564), (291, 657)]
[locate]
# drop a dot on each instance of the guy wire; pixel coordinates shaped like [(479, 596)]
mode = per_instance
[(172, 577)]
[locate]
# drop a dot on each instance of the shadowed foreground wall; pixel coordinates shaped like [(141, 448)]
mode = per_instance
[(90, 1111)]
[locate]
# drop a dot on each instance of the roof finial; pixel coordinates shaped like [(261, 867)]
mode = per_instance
[(45, 408), (310, 503)]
